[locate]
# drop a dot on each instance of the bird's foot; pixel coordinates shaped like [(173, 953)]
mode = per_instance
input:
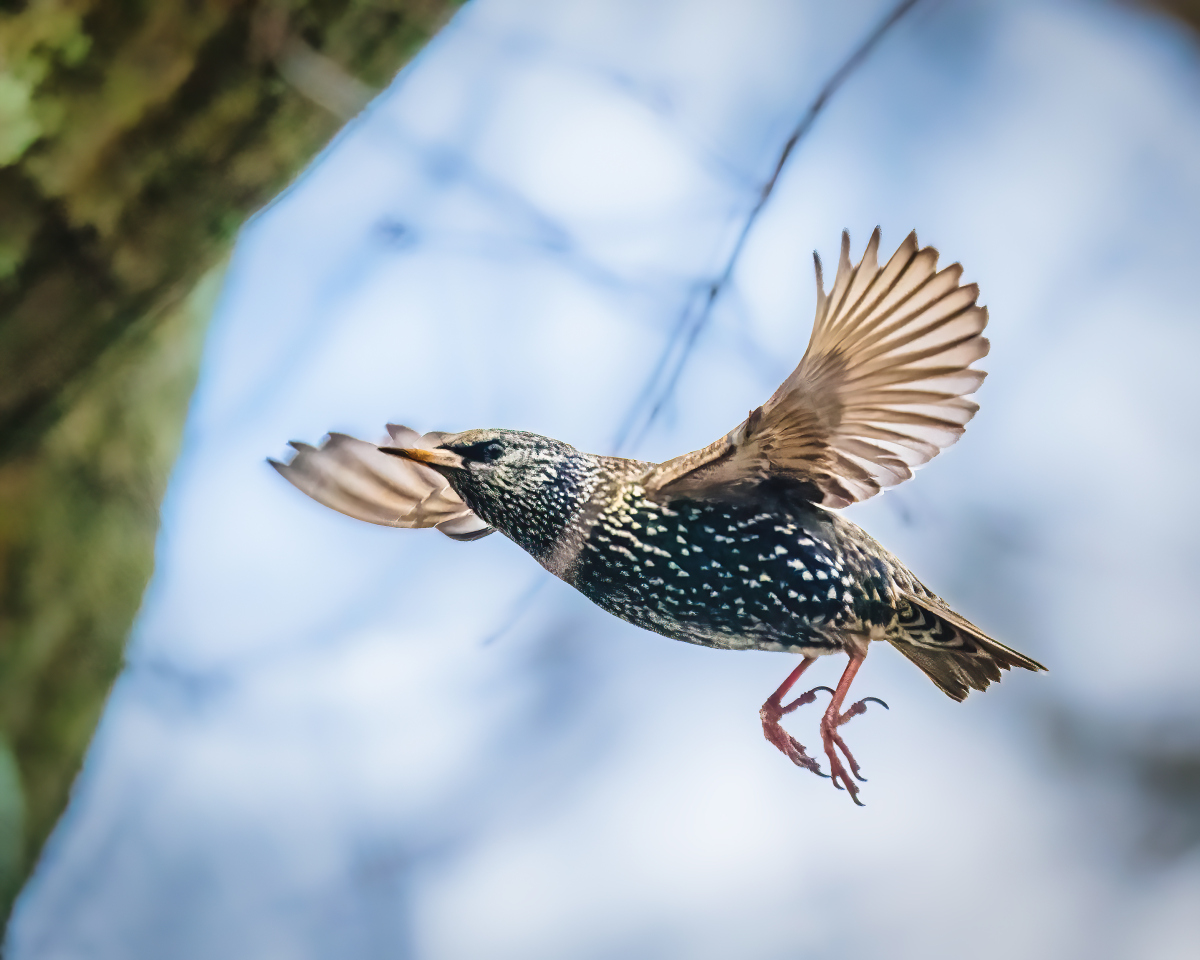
[(783, 741), (833, 742)]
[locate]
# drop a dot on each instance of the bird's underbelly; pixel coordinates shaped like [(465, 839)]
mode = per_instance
[(729, 576)]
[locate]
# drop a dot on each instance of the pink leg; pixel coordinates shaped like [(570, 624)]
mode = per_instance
[(774, 709), (833, 719)]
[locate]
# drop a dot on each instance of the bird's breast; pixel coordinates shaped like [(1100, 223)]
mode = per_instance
[(726, 574)]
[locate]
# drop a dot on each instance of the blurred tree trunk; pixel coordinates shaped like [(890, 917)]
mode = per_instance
[(135, 139), (1186, 10)]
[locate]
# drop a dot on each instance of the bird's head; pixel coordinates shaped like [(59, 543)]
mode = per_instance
[(525, 485)]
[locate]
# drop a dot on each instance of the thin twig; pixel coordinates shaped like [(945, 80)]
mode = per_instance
[(687, 330), (696, 314), (518, 609)]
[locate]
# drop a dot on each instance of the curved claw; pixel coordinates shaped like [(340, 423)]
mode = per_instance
[(858, 708), (854, 770), (805, 698), (770, 714), (849, 787), (797, 755)]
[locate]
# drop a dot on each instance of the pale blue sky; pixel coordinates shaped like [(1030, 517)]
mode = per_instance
[(315, 752)]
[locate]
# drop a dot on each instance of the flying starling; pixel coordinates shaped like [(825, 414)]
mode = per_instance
[(738, 545)]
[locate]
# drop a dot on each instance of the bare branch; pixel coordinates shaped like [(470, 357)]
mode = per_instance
[(665, 376)]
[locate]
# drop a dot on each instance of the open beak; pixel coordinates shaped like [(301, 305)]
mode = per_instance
[(432, 458)]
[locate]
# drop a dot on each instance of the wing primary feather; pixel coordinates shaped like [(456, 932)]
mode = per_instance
[(356, 478), (879, 391)]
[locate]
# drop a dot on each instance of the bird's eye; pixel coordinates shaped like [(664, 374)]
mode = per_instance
[(488, 451)]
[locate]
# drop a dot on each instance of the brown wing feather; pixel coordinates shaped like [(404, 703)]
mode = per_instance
[(879, 391), (355, 478)]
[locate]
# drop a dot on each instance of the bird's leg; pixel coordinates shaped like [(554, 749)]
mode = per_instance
[(773, 709), (834, 718)]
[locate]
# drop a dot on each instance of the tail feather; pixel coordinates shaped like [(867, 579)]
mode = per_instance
[(953, 652)]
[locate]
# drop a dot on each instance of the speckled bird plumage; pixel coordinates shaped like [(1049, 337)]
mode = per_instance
[(738, 545)]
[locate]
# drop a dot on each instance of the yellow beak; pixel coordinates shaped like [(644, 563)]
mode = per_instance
[(433, 458)]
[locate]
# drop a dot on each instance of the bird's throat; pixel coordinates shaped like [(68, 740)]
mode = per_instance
[(535, 507)]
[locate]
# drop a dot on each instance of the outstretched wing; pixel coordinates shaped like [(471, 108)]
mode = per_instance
[(880, 390), (356, 478)]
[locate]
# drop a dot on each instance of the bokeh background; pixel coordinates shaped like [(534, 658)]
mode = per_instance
[(335, 740)]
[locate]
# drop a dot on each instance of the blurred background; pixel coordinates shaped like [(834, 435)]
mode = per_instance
[(327, 739)]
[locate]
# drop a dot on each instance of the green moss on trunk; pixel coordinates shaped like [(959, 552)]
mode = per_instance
[(135, 139)]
